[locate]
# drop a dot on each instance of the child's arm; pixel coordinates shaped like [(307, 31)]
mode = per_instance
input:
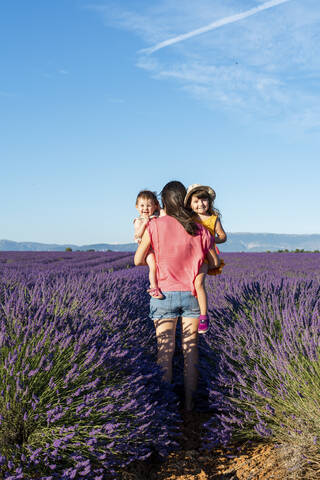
[(142, 250), (139, 228), (220, 234)]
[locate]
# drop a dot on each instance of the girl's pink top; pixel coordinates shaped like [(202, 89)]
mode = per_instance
[(178, 254)]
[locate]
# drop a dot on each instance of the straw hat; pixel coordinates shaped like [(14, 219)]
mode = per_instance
[(194, 188)]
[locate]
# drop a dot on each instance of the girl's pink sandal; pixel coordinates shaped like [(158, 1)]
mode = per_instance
[(203, 324), (155, 293)]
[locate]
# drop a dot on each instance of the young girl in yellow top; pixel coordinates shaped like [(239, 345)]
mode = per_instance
[(200, 198)]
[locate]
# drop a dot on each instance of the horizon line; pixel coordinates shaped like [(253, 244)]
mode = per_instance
[(130, 242)]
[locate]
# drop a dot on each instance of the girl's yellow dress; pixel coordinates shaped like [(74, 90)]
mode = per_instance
[(210, 224)]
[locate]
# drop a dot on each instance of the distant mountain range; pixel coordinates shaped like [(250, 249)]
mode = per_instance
[(237, 242), (9, 245)]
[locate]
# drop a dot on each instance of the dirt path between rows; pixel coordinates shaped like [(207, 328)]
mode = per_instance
[(255, 462)]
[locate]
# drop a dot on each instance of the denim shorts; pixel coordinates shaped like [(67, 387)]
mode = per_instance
[(174, 304)]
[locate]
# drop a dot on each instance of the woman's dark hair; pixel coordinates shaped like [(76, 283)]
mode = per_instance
[(204, 195), (172, 197)]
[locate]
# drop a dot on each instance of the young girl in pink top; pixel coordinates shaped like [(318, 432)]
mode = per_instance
[(180, 246)]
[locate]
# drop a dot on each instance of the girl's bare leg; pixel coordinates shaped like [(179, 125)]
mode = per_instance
[(151, 262), (154, 290), (166, 339), (190, 353), (213, 259), (199, 285)]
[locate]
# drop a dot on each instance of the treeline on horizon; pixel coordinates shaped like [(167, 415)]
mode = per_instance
[(297, 250)]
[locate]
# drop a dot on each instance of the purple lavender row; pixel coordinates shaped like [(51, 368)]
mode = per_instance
[(80, 393), (264, 368), (65, 261), (239, 265)]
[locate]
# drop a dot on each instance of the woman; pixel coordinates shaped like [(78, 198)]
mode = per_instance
[(180, 246)]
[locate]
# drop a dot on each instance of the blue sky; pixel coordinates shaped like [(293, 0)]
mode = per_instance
[(95, 108)]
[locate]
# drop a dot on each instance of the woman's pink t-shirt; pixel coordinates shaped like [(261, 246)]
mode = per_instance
[(178, 254)]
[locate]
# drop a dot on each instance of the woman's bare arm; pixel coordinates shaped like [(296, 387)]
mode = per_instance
[(142, 250), (220, 234)]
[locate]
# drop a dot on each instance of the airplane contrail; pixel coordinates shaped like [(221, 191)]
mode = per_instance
[(213, 25)]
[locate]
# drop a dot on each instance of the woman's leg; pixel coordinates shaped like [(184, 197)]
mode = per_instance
[(190, 353), (166, 339)]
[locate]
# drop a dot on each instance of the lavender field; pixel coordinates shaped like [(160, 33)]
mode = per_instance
[(81, 396)]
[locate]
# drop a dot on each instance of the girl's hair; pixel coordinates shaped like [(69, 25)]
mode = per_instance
[(172, 197), (148, 195), (204, 195)]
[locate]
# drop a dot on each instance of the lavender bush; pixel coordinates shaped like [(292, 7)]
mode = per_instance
[(265, 343), (80, 393)]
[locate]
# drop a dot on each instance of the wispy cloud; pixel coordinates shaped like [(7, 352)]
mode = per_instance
[(114, 99), (214, 25), (266, 66), (52, 70), (6, 94)]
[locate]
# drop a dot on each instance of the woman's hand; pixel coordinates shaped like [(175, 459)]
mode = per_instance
[(142, 250), (220, 234)]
